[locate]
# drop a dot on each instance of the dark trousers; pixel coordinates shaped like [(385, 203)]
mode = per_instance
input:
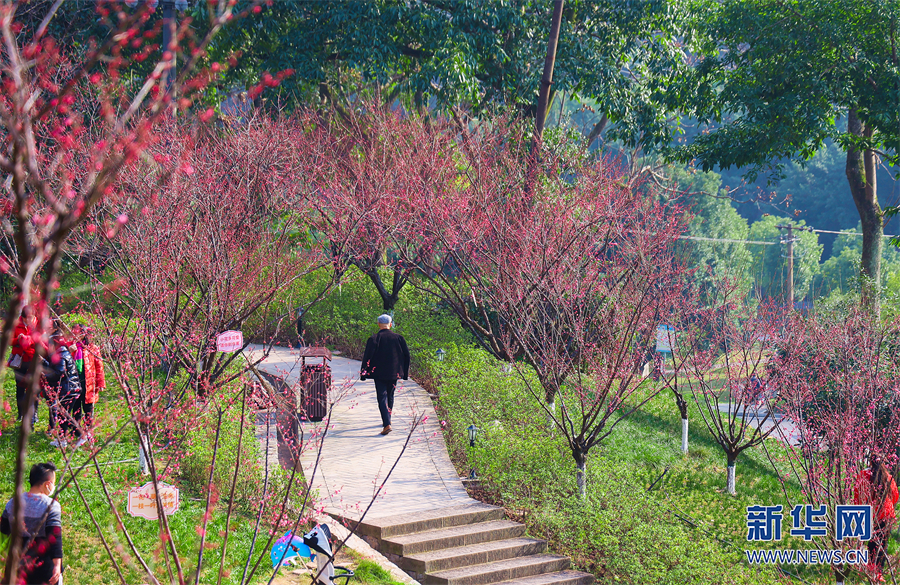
[(70, 407), (879, 543), (88, 410), (384, 392), (22, 392)]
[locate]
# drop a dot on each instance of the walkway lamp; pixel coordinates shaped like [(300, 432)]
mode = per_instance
[(473, 433), (439, 354)]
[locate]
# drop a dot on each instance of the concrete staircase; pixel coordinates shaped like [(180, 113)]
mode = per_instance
[(467, 545)]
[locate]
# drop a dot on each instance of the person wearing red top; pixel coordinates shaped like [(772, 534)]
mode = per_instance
[(20, 360), (93, 379), (875, 487)]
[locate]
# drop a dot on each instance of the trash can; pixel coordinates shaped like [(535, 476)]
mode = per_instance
[(315, 382)]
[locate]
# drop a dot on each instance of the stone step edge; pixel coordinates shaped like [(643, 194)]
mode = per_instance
[(424, 521), (422, 542), (485, 573), (556, 578), (418, 563)]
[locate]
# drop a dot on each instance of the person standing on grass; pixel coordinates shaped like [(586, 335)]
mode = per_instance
[(64, 394), (41, 560), (20, 360), (385, 360), (91, 376), (876, 487)]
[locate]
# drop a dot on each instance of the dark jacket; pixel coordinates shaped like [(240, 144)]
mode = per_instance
[(386, 357), (62, 375)]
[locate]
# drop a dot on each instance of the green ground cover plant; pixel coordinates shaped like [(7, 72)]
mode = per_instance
[(651, 516)]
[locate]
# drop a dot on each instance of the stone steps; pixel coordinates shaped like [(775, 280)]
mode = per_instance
[(557, 578), (497, 571), (430, 520), (467, 545), (486, 552), (419, 542)]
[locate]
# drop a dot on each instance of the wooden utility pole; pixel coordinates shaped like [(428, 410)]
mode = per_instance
[(789, 256), (789, 289)]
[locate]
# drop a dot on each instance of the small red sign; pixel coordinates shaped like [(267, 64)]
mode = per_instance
[(229, 341)]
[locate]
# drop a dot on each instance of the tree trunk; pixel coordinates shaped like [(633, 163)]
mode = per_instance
[(143, 461), (840, 574), (729, 486), (547, 77), (388, 298), (550, 414), (683, 410), (581, 473), (543, 98), (861, 166), (550, 385)]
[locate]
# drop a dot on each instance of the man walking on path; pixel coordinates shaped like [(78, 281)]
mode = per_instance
[(385, 361)]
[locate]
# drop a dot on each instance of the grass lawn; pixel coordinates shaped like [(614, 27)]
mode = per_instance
[(85, 557)]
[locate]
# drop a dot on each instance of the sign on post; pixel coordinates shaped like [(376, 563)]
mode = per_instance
[(142, 500), (229, 341), (665, 338)]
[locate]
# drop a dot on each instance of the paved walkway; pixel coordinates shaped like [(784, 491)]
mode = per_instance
[(356, 457), (787, 429)]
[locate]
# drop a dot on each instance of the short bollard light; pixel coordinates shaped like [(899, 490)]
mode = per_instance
[(473, 432), (439, 354)]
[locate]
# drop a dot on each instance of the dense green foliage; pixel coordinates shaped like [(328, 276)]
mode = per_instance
[(841, 271), (714, 219), (471, 55), (772, 81), (629, 528)]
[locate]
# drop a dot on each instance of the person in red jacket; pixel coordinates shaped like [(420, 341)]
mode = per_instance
[(875, 487), (93, 377), (21, 357)]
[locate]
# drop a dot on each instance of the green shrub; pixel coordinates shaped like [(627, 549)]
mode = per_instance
[(620, 534)]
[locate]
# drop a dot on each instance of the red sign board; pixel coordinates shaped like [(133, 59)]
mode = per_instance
[(142, 500), (229, 341)]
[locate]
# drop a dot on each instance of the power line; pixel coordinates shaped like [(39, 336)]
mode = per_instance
[(806, 229), (810, 229), (727, 240)]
